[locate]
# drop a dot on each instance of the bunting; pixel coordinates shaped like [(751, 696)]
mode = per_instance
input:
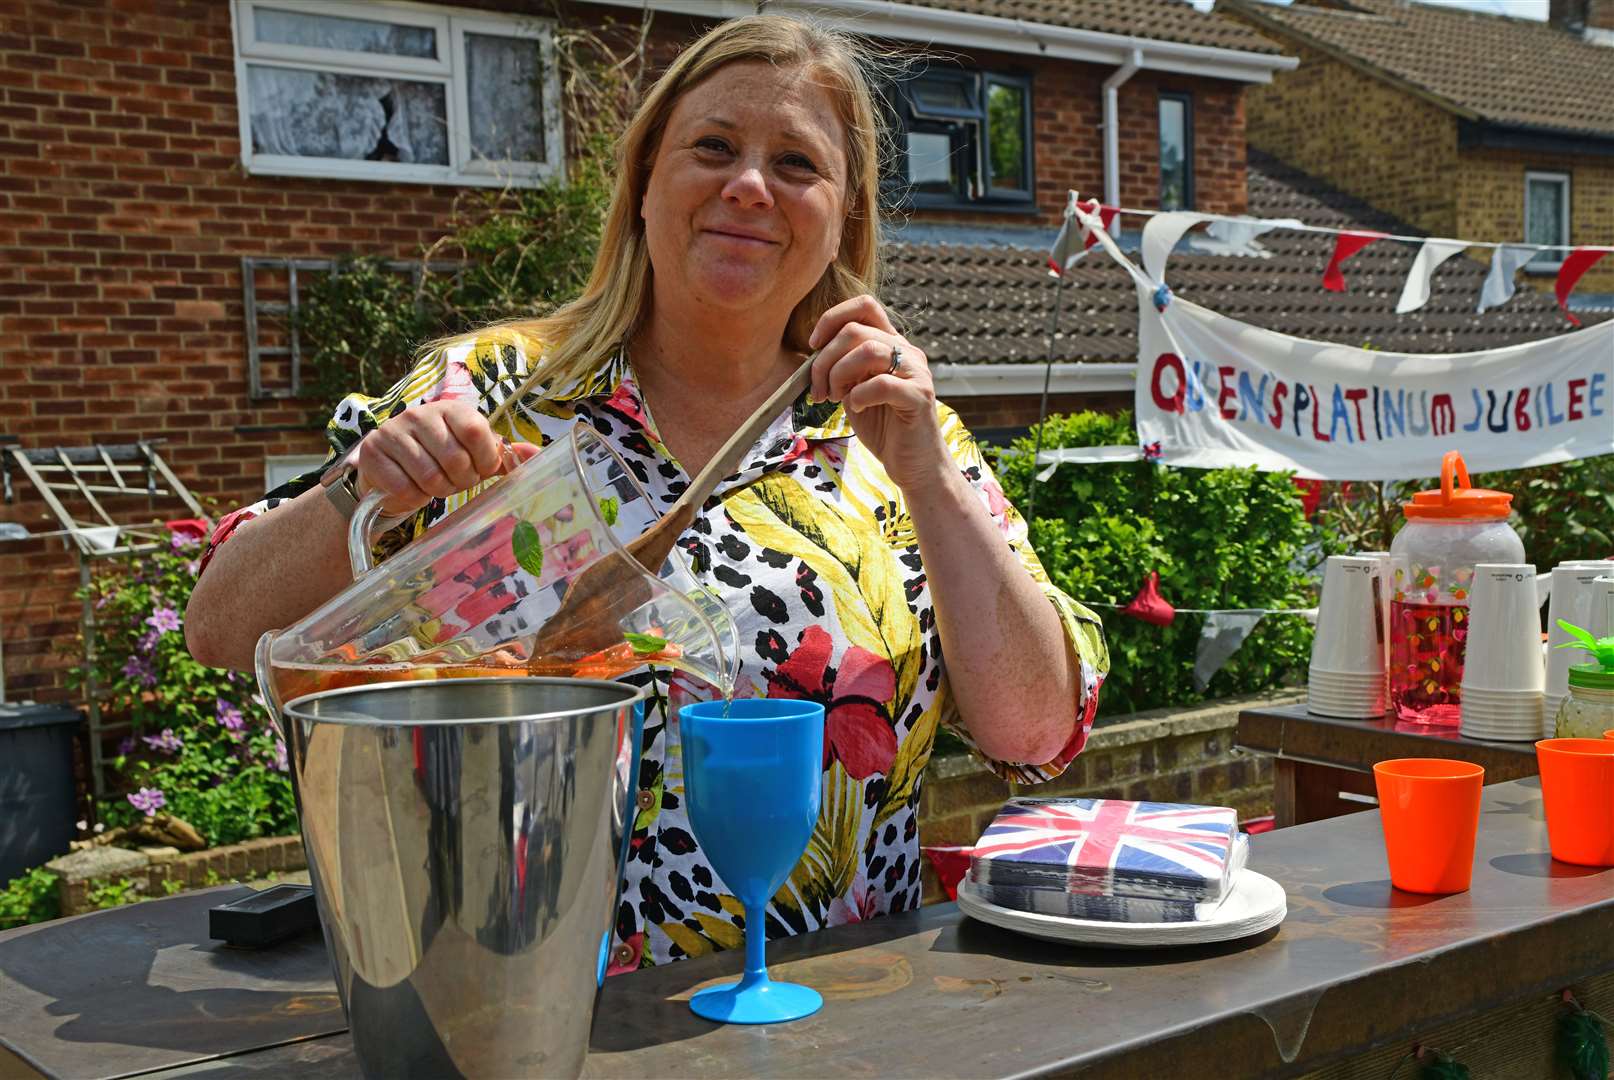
[(1237, 235), (1415, 294), (1348, 244), (1576, 263)]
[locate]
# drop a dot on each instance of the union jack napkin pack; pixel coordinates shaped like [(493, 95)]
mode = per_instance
[(1109, 859)]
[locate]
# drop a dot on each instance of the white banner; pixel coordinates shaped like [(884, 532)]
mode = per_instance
[(1215, 392)]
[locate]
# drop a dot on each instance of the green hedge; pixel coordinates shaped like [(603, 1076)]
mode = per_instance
[(1221, 538)]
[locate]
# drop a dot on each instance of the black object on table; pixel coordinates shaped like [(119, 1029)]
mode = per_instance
[(264, 918), (1357, 968), (37, 801), (1323, 767)]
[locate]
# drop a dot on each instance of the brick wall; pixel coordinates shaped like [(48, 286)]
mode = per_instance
[(125, 212), (1166, 755), (1490, 203), (1362, 135), (1068, 137)]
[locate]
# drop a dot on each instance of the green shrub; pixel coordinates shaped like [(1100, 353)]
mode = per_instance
[(110, 894), (29, 899), (1563, 511), (1220, 538)]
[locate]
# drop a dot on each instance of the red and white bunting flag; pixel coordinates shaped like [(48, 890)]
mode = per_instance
[(1415, 293), (1347, 244), (1106, 215), (1575, 266), (1064, 252)]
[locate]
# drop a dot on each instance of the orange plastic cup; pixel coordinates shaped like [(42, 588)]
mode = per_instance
[(1577, 784), (1430, 811)]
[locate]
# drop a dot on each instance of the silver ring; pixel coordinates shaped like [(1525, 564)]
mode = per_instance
[(896, 360)]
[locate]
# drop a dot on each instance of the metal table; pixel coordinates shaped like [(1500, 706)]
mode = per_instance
[(1323, 767), (1357, 968)]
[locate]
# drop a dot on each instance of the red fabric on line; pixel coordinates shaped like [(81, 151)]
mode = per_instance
[(1106, 216), (1149, 605), (1346, 245), (1574, 268)]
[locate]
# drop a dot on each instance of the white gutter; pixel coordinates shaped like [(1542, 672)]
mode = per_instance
[(936, 26), (1112, 126), (980, 380)]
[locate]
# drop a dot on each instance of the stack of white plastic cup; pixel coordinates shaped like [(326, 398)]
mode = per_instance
[(1503, 673), (1385, 588), (1347, 655), (1574, 591)]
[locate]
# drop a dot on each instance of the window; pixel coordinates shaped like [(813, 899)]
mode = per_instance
[(382, 91), (1176, 151), (1546, 217), (964, 139), (281, 468)]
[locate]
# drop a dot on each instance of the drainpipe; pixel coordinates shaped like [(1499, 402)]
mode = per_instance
[(1112, 126)]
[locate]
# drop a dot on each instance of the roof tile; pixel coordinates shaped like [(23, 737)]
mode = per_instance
[(1160, 20), (1501, 69)]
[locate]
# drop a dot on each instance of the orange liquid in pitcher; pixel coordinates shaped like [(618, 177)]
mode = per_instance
[(298, 680)]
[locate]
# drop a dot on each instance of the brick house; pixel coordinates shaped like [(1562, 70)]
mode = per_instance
[(1465, 124), (165, 163)]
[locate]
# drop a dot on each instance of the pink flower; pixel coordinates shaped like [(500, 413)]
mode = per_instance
[(167, 742), (147, 800), (856, 732), (163, 620), (625, 400), (229, 716), (859, 905)]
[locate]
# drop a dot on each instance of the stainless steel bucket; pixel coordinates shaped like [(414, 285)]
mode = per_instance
[(466, 839)]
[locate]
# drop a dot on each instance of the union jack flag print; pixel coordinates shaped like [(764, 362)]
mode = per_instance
[(1110, 847)]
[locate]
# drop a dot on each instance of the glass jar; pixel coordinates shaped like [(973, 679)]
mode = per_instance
[(1588, 711), (1432, 563)]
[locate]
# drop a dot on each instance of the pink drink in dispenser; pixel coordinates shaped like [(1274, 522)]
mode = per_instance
[(1432, 563)]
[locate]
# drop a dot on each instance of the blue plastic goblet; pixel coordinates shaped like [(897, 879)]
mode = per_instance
[(753, 771)]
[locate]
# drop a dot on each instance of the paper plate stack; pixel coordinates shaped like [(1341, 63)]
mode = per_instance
[(1118, 873)]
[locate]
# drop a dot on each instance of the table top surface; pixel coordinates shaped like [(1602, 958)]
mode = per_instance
[(927, 993), (1289, 731)]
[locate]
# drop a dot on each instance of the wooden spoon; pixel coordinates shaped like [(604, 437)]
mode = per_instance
[(586, 621)]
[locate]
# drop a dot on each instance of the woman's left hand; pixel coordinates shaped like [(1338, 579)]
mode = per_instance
[(891, 406)]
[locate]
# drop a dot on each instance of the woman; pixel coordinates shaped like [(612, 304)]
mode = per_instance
[(865, 538)]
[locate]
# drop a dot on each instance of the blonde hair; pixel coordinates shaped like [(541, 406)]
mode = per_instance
[(581, 336)]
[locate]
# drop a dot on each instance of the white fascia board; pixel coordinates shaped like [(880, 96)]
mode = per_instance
[(934, 26), (979, 380)]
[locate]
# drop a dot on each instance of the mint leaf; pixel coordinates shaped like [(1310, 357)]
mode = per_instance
[(528, 549), (608, 509), (645, 644), (1583, 640)]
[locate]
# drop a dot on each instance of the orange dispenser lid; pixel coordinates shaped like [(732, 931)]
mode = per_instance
[(1457, 497)]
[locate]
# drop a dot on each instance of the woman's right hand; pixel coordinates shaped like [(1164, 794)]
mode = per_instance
[(431, 452)]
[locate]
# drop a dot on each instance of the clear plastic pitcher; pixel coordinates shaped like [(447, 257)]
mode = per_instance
[(470, 597), (1448, 532)]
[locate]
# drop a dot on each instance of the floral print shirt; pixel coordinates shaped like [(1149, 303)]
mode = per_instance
[(812, 550)]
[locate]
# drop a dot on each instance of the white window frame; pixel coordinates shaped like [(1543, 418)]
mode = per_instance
[(447, 69), (1547, 262), (279, 468)]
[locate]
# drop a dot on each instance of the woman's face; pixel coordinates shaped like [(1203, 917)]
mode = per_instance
[(746, 198)]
